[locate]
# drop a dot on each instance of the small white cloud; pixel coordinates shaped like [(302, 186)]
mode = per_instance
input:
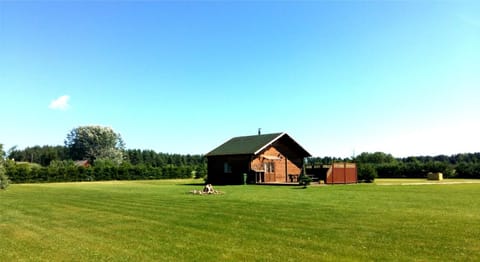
[(60, 103)]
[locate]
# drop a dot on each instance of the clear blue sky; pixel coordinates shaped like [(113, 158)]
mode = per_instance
[(402, 77)]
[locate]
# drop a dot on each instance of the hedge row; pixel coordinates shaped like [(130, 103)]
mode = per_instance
[(420, 170), (28, 174)]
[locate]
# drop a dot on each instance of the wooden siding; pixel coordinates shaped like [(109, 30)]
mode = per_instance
[(282, 166), (342, 173)]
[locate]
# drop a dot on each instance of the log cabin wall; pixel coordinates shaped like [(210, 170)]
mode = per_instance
[(276, 166), (228, 169)]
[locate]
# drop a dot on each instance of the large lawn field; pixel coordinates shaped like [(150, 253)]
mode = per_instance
[(161, 221)]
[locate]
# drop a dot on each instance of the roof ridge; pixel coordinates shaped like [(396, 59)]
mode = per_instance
[(245, 144), (269, 143), (269, 134)]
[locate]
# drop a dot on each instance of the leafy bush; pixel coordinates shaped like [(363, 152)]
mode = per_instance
[(67, 171), (366, 173), (201, 172), (465, 170), (4, 182), (304, 180), (387, 170)]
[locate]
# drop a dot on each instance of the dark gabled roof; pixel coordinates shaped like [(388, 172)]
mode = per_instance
[(249, 145), (243, 145)]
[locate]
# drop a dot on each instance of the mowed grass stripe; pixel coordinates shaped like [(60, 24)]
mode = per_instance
[(159, 220)]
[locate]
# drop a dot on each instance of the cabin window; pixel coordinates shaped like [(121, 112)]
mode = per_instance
[(227, 168), (269, 167)]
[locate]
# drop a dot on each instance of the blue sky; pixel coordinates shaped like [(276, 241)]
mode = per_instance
[(402, 77)]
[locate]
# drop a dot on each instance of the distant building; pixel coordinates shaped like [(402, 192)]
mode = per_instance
[(83, 163), (268, 158)]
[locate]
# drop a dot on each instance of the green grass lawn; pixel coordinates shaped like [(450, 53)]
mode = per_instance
[(413, 181), (161, 221)]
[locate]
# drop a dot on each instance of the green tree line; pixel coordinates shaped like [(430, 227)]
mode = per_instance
[(96, 153), (68, 171), (53, 164), (383, 165), (44, 155)]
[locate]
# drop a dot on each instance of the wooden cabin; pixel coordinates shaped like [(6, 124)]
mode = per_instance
[(267, 158)]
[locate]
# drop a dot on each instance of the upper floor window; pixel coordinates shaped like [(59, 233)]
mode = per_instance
[(269, 167)]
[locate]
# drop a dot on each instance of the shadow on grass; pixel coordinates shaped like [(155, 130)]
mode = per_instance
[(192, 184)]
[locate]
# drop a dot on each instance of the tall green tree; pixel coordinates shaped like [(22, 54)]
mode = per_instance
[(42, 155), (375, 158), (95, 143), (2, 154), (4, 181)]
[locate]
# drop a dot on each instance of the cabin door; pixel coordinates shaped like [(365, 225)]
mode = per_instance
[(269, 168)]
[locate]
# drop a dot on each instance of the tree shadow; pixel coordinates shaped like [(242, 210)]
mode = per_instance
[(192, 184), (300, 187)]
